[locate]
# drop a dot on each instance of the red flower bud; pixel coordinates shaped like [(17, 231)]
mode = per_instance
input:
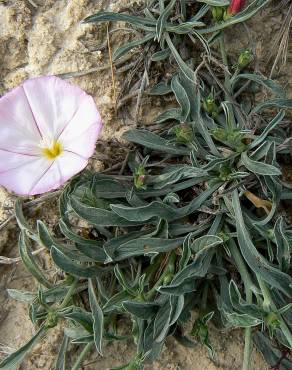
[(235, 6)]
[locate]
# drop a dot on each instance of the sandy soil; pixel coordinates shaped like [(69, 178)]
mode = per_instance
[(49, 39)]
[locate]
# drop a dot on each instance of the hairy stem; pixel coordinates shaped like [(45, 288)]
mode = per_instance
[(69, 294)]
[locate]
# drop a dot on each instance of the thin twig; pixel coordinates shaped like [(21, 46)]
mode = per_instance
[(9, 261), (112, 66)]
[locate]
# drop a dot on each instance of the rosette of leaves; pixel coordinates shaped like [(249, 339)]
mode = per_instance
[(200, 229)]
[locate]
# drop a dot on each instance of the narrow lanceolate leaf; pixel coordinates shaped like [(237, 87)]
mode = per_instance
[(181, 97), (259, 168), (111, 16), (15, 358), (161, 22), (98, 216), (61, 359), (273, 103), (119, 52), (73, 268), (254, 259), (97, 315), (161, 88), (22, 222), (28, 260), (143, 310), (152, 141), (261, 80), (186, 70), (274, 122), (205, 241), (21, 296)]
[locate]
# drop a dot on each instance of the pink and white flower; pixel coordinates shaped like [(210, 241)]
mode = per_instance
[(48, 131)]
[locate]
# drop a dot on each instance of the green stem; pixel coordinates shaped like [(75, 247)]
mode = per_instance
[(269, 304), (166, 271), (82, 356), (248, 291), (69, 294)]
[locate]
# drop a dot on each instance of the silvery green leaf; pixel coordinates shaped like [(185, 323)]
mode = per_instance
[(254, 259), (79, 316), (162, 322), (116, 301), (273, 103), (181, 97), (21, 296), (122, 50), (265, 82), (283, 245), (122, 280), (185, 69), (274, 122), (97, 216), (259, 168), (162, 88), (61, 359), (169, 114), (97, 314), (29, 262), (15, 358), (161, 22), (205, 241), (175, 173), (145, 246), (143, 310), (73, 267), (215, 2), (22, 222), (48, 241), (159, 56), (143, 23), (153, 141)]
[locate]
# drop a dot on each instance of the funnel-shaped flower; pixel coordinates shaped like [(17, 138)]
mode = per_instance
[(48, 130), (235, 6)]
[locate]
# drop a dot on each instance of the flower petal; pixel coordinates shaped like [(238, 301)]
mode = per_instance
[(54, 102), (19, 132), (61, 169), (20, 172), (81, 134)]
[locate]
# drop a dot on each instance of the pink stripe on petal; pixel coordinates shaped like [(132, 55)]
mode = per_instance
[(19, 172), (63, 168), (86, 116), (15, 113), (53, 102), (84, 145)]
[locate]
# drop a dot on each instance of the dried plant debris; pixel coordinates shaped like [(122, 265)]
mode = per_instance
[(193, 217)]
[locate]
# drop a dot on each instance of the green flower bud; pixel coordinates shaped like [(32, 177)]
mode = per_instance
[(217, 13), (183, 133), (140, 177), (52, 319), (210, 106), (245, 57)]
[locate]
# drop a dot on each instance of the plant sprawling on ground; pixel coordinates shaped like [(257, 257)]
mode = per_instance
[(195, 220)]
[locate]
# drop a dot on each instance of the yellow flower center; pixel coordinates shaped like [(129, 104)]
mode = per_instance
[(53, 151)]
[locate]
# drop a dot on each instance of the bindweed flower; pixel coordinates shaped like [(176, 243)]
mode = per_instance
[(48, 131), (235, 7)]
